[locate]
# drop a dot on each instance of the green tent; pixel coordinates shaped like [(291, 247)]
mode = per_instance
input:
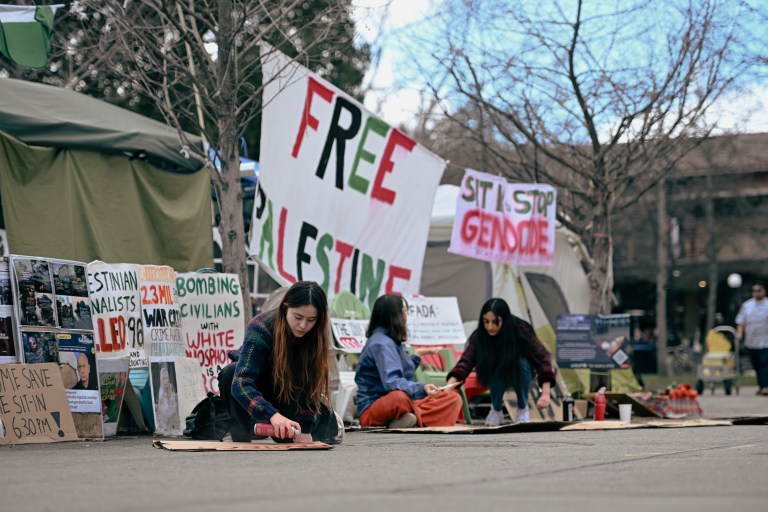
[(81, 179)]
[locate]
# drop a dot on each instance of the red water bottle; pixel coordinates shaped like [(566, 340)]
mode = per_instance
[(600, 404)]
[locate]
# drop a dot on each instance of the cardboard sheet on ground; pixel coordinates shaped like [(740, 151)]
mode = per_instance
[(216, 446), (619, 425), (539, 426)]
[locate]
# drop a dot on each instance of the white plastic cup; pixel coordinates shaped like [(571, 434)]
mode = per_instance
[(625, 413)]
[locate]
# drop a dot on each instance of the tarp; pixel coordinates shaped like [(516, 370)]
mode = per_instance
[(83, 205), (43, 115)]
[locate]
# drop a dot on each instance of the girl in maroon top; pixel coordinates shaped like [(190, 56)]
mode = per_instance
[(505, 352)]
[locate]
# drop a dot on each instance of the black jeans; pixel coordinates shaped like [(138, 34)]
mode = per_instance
[(759, 359), (240, 423)]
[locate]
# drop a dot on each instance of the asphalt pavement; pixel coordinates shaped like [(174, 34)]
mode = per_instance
[(681, 469)]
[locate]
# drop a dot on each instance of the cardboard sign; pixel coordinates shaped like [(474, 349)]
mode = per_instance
[(116, 307), (502, 222), (344, 199), (212, 324), (33, 407)]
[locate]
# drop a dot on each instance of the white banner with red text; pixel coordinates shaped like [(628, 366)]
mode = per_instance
[(344, 199), (511, 223)]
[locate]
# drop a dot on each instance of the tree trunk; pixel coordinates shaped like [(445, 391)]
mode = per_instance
[(231, 227), (662, 277), (711, 256), (601, 276)]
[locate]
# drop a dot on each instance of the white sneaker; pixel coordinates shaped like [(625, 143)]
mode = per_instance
[(522, 416), (494, 418)]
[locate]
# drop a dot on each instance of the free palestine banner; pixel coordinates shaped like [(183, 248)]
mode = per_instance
[(511, 223), (344, 199)]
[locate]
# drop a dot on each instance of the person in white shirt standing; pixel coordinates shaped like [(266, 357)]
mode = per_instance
[(752, 321)]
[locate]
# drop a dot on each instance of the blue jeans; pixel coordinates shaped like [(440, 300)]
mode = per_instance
[(759, 359), (522, 388)]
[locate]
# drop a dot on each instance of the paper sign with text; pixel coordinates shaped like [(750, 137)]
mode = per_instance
[(434, 321), (349, 334), (344, 199), (511, 223), (160, 314), (431, 321), (212, 323), (116, 308), (33, 407)]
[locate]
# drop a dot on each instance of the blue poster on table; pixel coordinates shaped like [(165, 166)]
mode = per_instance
[(593, 341)]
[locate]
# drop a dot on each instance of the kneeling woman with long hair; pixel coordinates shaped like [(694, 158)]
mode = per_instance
[(281, 373), (506, 353), (386, 391)]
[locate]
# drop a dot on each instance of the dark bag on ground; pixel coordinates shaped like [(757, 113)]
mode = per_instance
[(328, 427), (208, 420)]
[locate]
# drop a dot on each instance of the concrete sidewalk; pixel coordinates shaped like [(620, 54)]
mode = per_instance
[(681, 469)]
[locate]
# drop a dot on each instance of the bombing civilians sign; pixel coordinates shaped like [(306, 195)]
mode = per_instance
[(343, 199), (511, 223)]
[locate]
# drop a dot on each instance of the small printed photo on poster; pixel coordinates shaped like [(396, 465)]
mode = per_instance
[(6, 297), (40, 347), (77, 351), (166, 396), (65, 311), (7, 345), (45, 309), (63, 275), (37, 272), (80, 281), (82, 313)]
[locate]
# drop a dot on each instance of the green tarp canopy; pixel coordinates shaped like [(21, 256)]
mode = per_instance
[(74, 184)]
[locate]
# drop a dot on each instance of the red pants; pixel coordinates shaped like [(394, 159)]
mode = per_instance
[(440, 411)]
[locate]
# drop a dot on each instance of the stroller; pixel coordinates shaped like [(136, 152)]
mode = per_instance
[(720, 364)]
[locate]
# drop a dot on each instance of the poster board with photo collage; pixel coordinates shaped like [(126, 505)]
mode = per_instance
[(51, 307)]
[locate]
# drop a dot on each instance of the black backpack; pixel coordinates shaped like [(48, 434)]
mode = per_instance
[(208, 420)]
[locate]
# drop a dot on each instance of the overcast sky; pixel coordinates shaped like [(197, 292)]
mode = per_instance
[(397, 105)]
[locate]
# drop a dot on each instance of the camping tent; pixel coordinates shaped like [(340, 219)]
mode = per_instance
[(535, 293), (82, 180)]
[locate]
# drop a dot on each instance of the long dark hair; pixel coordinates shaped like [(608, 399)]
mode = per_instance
[(388, 314), (301, 364), (497, 358)]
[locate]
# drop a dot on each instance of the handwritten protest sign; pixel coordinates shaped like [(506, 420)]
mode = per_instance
[(116, 308), (349, 334), (33, 408), (431, 321), (160, 312), (510, 223), (211, 308), (434, 321), (344, 199)]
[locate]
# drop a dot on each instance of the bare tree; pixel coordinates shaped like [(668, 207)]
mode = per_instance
[(199, 63), (599, 100)]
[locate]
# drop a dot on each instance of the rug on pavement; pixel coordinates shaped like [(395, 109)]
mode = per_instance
[(210, 446)]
